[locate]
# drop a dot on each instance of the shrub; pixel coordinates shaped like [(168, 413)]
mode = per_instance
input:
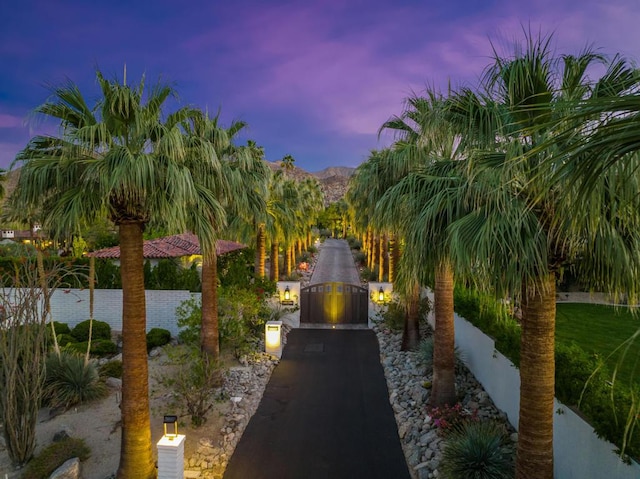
[(451, 418), (53, 456), (101, 330), (157, 337), (189, 318), (112, 369), (99, 347), (359, 257), (354, 243), (70, 381), (65, 339), (393, 317), (312, 249), (425, 352), (194, 383), (478, 450), (493, 318), (60, 328)]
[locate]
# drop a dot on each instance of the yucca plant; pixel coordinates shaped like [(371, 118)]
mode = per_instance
[(477, 450), (71, 381)]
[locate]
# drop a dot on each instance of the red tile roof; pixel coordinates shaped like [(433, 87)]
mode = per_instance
[(175, 246)]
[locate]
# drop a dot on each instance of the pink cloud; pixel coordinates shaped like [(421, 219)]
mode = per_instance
[(11, 121)]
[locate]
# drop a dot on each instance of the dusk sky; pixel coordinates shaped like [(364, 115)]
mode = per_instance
[(314, 79)]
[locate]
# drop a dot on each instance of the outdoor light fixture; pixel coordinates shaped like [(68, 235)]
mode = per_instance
[(287, 294), (171, 450), (272, 338), (169, 421), (381, 295)]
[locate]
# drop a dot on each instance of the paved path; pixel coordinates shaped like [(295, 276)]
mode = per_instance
[(335, 263), (325, 413)]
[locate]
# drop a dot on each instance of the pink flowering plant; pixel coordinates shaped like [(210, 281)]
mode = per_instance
[(451, 418)]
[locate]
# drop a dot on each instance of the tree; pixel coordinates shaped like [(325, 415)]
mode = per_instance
[(528, 222), (118, 158), (422, 204)]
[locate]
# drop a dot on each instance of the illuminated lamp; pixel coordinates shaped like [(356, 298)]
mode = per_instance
[(287, 294), (170, 424), (381, 295), (273, 338)]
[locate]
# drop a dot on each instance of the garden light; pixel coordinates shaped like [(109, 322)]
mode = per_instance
[(168, 422), (287, 294), (381, 295), (272, 338)]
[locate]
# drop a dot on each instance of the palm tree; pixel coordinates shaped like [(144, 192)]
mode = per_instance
[(422, 204), (117, 157), (210, 146), (528, 222)]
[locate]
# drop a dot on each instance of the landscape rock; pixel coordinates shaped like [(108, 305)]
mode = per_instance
[(68, 470)]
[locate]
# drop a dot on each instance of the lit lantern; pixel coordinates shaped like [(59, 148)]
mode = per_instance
[(171, 450), (172, 432), (381, 295), (287, 294), (272, 338)]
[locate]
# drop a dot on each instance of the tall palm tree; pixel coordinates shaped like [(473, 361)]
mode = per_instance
[(529, 222), (116, 157), (210, 149), (421, 206)]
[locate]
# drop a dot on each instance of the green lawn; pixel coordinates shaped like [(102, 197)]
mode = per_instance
[(601, 329)]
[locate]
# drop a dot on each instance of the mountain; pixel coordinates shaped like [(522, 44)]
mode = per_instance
[(342, 171), (333, 180)]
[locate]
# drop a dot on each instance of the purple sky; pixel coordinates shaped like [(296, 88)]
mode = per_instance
[(312, 79)]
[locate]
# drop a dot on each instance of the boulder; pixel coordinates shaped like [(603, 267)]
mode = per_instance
[(69, 470)]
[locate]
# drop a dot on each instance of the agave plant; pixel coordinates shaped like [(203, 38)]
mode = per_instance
[(71, 381), (478, 450)]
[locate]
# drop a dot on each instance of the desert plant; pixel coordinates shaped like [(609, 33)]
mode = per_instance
[(425, 352), (61, 328), (189, 318), (112, 369), (99, 347), (53, 456), (477, 450), (70, 381), (100, 330), (65, 339), (195, 382), (451, 418), (157, 337), (22, 353)]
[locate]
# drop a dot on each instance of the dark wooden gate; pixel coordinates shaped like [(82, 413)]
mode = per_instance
[(334, 303)]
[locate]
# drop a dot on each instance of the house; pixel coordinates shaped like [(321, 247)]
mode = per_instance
[(184, 247)]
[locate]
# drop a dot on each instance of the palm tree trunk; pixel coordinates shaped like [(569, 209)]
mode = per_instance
[(537, 381), (374, 250), (275, 267), (382, 257), (290, 256), (209, 331), (260, 251), (286, 266), (136, 458), (443, 391), (411, 333), (392, 258)]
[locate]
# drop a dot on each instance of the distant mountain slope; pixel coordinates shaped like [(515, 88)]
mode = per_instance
[(344, 171), (333, 180)]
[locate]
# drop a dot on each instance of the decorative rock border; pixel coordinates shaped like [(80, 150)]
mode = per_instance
[(405, 377)]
